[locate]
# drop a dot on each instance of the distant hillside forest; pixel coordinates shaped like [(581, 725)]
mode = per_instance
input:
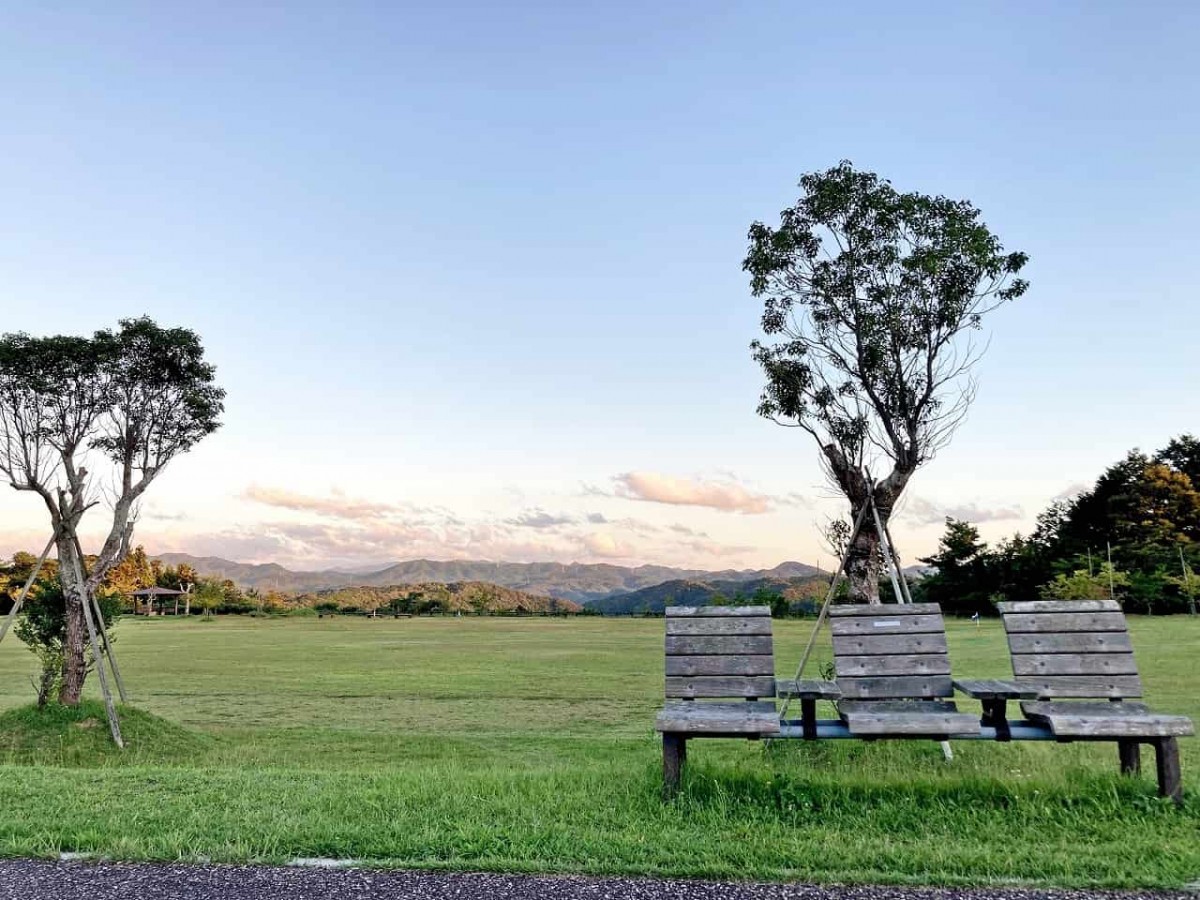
[(1143, 512)]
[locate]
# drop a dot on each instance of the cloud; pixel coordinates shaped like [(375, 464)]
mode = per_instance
[(925, 512), (727, 496), (336, 506), (596, 518), (690, 532), (539, 518), (604, 545), (1071, 491)]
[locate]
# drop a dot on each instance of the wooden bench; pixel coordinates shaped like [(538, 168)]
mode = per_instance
[(892, 670), (1078, 657), (720, 679)]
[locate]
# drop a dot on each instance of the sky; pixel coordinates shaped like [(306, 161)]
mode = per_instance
[(471, 273)]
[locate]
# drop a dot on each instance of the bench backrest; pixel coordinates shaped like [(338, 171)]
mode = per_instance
[(890, 651), (720, 652), (1071, 648)]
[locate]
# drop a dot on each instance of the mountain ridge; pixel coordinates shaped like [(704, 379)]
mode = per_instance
[(579, 582)]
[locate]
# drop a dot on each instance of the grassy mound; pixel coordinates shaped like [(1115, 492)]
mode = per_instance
[(79, 736)]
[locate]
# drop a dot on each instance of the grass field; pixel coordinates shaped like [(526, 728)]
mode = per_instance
[(527, 745)]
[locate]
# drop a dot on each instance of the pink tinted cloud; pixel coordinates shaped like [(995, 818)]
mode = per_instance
[(727, 496)]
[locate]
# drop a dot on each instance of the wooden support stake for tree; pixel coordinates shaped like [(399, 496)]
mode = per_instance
[(110, 708), (106, 643), (16, 608)]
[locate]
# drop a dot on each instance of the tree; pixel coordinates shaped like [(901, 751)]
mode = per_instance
[(130, 399), (959, 582), (1083, 585), (869, 293)]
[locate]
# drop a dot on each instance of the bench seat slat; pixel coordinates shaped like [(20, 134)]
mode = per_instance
[(900, 718), (897, 687), (720, 665), (714, 686), (1073, 664), (878, 666), (735, 719), (888, 644), (723, 645), (707, 611), (887, 625), (1106, 720), (1084, 686), (1072, 642), (1057, 606), (718, 625), (1050, 623), (872, 610)]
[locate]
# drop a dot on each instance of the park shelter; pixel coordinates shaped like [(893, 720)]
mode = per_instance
[(156, 601)]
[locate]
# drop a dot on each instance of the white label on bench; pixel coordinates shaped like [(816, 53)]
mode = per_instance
[(888, 624)]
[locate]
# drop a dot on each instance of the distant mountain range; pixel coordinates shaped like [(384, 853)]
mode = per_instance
[(692, 592), (581, 582)]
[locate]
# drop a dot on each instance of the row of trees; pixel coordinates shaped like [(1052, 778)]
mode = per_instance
[(1134, 535)]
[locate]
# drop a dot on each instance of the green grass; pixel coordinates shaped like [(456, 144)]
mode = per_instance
[(527, 745)]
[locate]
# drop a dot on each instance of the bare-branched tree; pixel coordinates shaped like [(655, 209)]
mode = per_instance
[(871, 297), (129, 400)]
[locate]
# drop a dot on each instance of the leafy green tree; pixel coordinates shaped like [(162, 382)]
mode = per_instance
[(960, 580), (42, 627), (1084, 585), (133, 398), (870, 295)]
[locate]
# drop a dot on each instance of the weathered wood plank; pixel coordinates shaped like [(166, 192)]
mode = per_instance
[(720, 665), (896, 687), (1072, 642), (705, 611), (1074, 664), (873, 666), (808, 689), (714, 686), (885, 625), (1046, 623), (1116, 720), (994, 689), (884, 609), (718, 718), (716, 625), (1058, 606), (888, 644), (1084, 686), (906, 719), (719, 645)]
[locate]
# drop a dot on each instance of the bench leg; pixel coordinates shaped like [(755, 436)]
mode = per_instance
[(1166, 757), (1130, 753), (674, 756)]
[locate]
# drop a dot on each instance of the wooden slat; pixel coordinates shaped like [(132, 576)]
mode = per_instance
[(906, 719), (884, 609), (718, 718), (896, 688), (704, 611), (888, 644), (719, 625), (808, 689), (1106, 720), (713, 686), (1074, 664), (874, 666), (720, 645), (720, 665), (882, 625), (1046, 623), (1084, 686), (993, 689), (1072, 642), (1058, 606)]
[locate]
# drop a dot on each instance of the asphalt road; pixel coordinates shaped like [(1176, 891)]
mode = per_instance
[(22, 879)]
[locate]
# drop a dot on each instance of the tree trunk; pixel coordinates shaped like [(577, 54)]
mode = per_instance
[(862, 564), (75, 663)]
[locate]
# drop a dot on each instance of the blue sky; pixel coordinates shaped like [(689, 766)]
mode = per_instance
[(471, 274)]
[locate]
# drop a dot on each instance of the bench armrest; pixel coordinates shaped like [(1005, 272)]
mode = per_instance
[(808, 690), (992, 689)]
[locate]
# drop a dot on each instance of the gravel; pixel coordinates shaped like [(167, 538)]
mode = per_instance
[(78, 880)]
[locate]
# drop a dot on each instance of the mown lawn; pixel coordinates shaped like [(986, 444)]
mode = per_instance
[(527, 745)]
